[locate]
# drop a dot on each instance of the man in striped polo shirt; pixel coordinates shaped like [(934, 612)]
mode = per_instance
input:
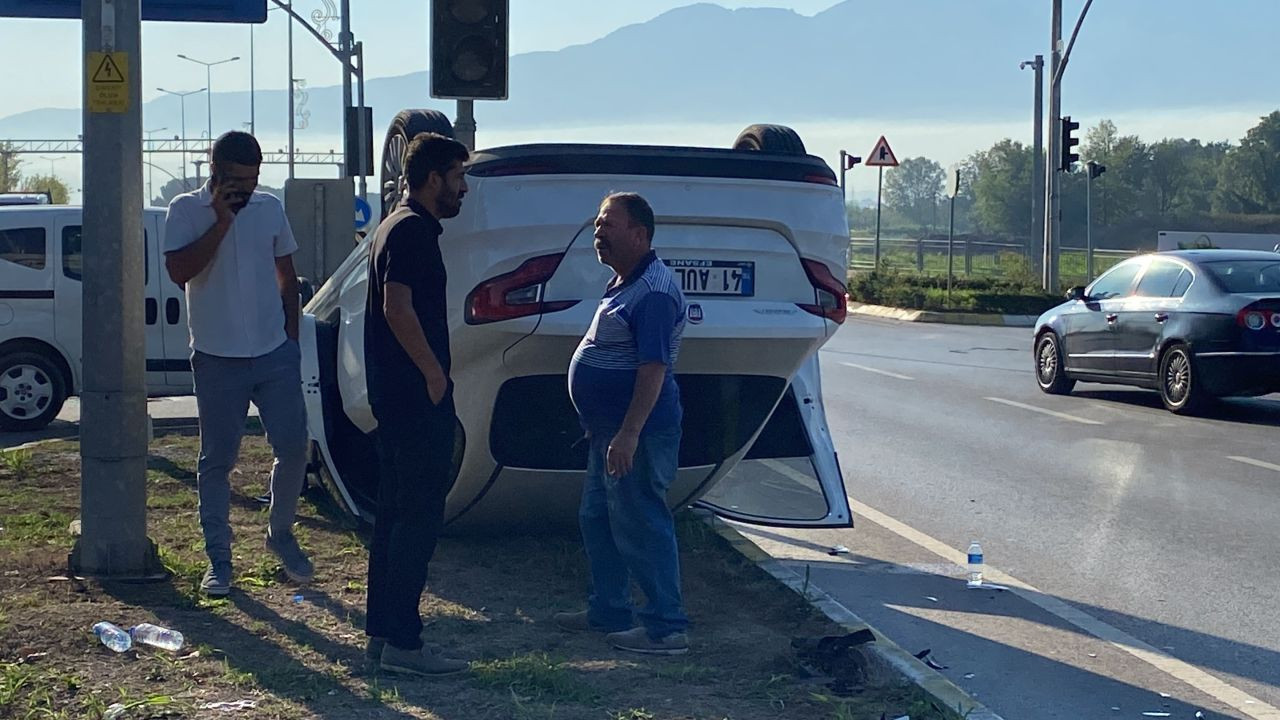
[(623, 387)]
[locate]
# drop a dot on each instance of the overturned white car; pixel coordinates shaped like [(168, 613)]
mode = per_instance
[(758, 235)]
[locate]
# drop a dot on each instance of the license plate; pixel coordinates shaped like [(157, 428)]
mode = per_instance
[(715, 277)]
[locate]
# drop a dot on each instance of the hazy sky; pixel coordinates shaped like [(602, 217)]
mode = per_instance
[(394, 33)]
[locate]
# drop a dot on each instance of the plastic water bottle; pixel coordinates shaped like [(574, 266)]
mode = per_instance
[(156, 636), (112, 636), (975, 564)]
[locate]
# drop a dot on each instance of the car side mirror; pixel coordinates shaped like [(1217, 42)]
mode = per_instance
[(1076, 293)]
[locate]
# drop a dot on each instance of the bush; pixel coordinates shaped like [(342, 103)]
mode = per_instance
[(1016, 293)]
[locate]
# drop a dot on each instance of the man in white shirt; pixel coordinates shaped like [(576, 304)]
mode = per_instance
[(232, 249)]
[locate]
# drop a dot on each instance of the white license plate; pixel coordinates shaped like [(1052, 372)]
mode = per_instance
[(715, 277)]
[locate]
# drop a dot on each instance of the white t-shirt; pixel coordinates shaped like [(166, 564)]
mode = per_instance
[(233, 306)]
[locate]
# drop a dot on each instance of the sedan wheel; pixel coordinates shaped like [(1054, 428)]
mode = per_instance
[(1050, 375), (1179, 386)]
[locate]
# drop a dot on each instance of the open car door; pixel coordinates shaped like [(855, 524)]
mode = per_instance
[(791, 476)]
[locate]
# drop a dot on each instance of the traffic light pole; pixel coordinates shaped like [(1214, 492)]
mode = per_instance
[(464, 128), (1088, 226), (1052, 219)]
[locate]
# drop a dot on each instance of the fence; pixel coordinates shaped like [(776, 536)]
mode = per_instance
[(979, 258)]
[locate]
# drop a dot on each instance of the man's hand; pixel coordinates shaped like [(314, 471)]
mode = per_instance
[(436, 388), (222, 205), (622, 452)]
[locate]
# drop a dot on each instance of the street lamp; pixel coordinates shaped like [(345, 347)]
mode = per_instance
[(208, 81), (183, 97), (51, 160), (150, 190)]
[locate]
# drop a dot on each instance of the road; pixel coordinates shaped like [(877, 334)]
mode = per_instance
[(1109, 515), (170, 413)]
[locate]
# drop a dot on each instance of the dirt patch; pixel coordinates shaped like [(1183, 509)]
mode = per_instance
[(286, 652)]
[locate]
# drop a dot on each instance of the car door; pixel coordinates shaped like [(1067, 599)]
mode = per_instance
[(791, 475), (1155, 302), (171, 316), (69, 287), (1090, 329)]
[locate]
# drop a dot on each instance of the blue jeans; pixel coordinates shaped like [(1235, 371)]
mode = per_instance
[(224, 388), (628, 532)]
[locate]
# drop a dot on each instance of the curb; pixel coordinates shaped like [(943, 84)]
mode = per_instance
[(949, 318), (944, 692)]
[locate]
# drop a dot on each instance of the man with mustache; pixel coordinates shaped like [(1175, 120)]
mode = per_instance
[(231, 248), (406, 353), (622, 383)]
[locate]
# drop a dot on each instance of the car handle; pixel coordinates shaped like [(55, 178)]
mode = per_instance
[(1112, 317), (1161, 317)]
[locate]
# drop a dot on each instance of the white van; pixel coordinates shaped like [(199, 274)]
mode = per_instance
[(40, 314)]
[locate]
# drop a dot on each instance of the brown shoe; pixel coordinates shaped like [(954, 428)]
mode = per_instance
[(637, 640), (424, 662)]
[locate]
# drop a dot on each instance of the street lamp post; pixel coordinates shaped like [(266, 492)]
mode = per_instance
[(1037, 162), (182, 96), (208, 81), (151, 193), (51, 160)]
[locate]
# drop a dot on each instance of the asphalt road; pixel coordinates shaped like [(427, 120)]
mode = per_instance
[(1155, 531)]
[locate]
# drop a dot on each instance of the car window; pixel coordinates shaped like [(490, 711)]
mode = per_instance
[(1161, 280), (1247, 276), (73, 254), (1116, 282), (23, 246), (1184, 282)]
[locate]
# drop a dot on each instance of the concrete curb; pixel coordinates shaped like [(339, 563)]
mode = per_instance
[(950, 318), (944, 692)]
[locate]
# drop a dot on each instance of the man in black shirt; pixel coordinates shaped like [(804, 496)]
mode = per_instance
[(406, 353)]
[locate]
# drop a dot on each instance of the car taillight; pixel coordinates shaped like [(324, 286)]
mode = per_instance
[(515, 294), (821, 180), (831, 294), (1254, 317)]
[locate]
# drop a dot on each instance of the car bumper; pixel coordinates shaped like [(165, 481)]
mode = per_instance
[(1240, 373)]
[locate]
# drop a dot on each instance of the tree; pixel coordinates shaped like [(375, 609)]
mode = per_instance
[(1249, 180), (47, 183), (1119, 195), (914, 187), (1001, 186), (10, 168)]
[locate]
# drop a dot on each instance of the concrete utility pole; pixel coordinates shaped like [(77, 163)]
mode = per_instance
[(1053, 216), (113, 406), (1037, 167), (464, 128)]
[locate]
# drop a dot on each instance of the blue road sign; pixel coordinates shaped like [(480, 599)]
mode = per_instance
[(364, 212), (230, 11)]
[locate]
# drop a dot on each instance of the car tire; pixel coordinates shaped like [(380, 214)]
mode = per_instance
[(778, 139), (406, 125), (1179, 381), (1051, 374), (32, 391)]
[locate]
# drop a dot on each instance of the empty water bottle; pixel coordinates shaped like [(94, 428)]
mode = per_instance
[(156, 636), (112, 636), (975, 564)]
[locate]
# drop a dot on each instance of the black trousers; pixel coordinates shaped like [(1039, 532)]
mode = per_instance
[(415, 454)]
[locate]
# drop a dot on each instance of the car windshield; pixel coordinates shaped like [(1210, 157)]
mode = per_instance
[(1247, 276)]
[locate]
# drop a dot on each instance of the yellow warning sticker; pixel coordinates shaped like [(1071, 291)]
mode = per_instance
[(108, 82)]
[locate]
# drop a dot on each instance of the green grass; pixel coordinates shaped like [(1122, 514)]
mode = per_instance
[(536, 677), (17, 461), (24, 531)]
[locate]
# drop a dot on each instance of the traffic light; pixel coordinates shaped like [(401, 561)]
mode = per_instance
[(1069, 142), (469, 49), (1095, 169)]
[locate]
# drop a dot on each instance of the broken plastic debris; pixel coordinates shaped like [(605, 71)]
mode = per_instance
[(113, 711), (969, 676), (930, 598), (1115, 709), (984, 585), (924, 655), (297, 599), (1199, 714), (838, 550), (1093, 654), (231, 706), (1164, 695), (1156, 714)]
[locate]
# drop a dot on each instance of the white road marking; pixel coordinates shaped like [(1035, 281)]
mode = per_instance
[(1255, 463), (1189, 674), (1051, 413), (877, 371)]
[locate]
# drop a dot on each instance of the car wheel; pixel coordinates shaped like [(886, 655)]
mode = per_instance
[(770, 139), (406, 125), (1179, 383), (32, 391), (1051, 376)]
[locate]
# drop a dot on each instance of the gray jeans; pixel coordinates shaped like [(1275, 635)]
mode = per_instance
[(224, 388)]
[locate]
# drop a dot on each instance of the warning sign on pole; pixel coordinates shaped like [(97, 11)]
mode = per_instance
[(881, 155), (108, 82)]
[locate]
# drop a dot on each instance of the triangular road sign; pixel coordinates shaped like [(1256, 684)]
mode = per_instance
[(107, 71), (881, 155)]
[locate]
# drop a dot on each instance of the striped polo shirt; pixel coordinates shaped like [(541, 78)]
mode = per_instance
[(639, 321)]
